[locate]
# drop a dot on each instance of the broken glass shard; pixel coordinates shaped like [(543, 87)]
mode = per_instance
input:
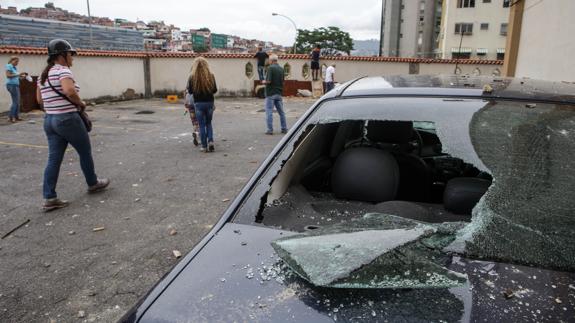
[(375, 251)]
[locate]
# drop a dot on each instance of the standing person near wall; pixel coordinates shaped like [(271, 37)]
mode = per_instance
[(315, 54), (261, 56), (58, 92), (13, 87), (329, 78), (202, 85), (274, 89)]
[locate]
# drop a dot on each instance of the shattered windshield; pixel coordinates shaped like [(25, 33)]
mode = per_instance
[(500, 174)]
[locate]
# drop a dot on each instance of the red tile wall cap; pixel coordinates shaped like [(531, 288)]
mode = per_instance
[(18, 50)]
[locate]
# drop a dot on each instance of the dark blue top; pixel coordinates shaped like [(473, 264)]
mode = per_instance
[(315, 55)]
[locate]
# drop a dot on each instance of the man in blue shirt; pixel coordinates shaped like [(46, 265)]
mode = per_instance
[(13, 87)]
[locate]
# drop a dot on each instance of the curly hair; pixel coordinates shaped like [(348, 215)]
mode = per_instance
[(202, 79)]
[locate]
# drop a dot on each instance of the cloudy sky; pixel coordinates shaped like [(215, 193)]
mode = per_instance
[(244, 18)]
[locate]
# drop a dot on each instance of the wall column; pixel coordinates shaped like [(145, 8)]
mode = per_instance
[(513, 37), (147, 78)]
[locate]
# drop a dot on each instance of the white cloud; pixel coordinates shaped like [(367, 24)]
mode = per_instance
[(244, 18)]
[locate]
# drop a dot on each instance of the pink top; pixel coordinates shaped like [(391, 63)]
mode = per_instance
[(54, 103)]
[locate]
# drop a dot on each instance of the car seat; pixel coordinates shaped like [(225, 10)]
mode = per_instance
[(396, 137), (462, 194)]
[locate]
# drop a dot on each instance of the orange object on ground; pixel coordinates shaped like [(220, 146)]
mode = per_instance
[(172, 98)]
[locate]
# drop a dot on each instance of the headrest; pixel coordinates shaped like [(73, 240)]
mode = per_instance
[(365, 174), (389, 131), (462, 194)]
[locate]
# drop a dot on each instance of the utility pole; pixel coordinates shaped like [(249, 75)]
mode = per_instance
[(459, 50), (382, 25), (90, 23)]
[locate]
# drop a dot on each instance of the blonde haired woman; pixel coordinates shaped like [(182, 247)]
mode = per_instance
[(202, 85)]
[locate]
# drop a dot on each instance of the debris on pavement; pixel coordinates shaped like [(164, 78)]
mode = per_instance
[(98, 229), (81, 314), (173, 232), (225, 200), (177, 254)]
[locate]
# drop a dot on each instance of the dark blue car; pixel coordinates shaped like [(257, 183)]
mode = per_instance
[(397, 199)]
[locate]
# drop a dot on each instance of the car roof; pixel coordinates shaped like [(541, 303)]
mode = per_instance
[(458, 85)]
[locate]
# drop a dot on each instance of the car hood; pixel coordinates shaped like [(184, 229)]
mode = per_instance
[(237, 277)]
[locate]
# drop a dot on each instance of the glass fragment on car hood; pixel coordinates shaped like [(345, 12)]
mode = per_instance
[(375, 251)]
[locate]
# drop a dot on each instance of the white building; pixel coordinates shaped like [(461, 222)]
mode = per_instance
[(541, 43), (475, 29)]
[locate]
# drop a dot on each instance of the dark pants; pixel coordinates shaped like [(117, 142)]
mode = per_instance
[(329, 86), (15, 95), (204, 113), (62, 129)]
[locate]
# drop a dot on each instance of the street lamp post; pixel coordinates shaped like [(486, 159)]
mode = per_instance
[(90, 23), (288, 18)]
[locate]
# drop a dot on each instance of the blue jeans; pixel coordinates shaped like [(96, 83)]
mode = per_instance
[(261, 72), (62, 129), (277, 101), (204, 114), (15, 95)]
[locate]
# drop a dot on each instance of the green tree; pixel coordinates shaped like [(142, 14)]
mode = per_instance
[(331, 39)]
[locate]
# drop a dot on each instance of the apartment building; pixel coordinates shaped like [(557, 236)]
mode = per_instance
[(475, 29), (410, 28)]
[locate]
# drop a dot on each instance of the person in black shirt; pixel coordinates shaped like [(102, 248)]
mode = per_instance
[(261, 57), (202, 85), (315, 62)]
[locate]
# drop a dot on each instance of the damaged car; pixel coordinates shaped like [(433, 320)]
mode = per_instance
[(397, 199)]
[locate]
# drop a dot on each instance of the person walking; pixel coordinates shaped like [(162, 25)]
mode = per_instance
[(13, 87), (274, 88), (58, 92), (261, 56), (329, 78), (202, 85), (315, 54)]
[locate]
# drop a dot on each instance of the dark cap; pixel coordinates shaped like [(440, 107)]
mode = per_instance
[(60, 46)]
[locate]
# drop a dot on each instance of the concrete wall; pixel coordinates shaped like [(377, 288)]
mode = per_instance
[(547, 45), (96, 76), (111, 76)]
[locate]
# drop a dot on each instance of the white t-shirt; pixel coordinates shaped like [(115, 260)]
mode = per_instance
[(329, 72)]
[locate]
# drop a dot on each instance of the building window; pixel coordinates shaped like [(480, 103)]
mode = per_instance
[(500, 56), (484, 26), (460, 55), (465, 3), (464, 28), (506, 3), (503, 31), (486, 1)]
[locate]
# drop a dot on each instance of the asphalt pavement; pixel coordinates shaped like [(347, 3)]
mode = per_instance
[(91, 261)]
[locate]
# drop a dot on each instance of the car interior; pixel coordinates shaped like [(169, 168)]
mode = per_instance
[(342, 170)]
